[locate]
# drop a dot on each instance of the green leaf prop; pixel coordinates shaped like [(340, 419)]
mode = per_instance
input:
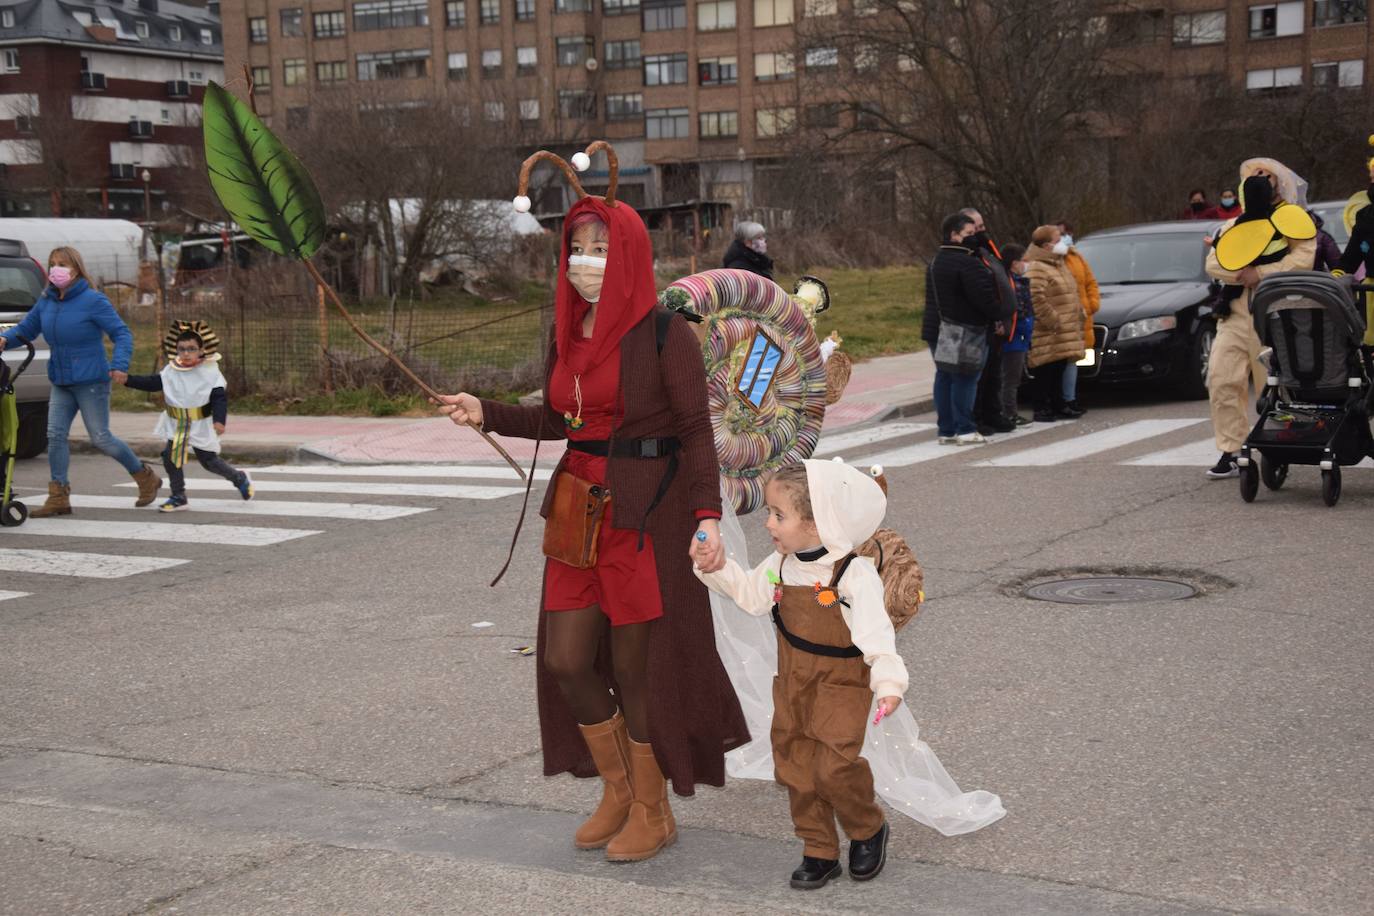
[(263, 186)]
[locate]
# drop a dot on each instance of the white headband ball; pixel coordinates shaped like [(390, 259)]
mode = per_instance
[(581, 161), (521, 204)]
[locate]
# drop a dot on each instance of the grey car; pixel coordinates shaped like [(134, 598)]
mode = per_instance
[(21, 283)]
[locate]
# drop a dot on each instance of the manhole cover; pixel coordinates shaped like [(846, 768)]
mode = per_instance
[(1110, 590)]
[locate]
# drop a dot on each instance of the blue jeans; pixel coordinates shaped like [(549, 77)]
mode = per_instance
[(1071, 381), (92, 400), (954, 396)]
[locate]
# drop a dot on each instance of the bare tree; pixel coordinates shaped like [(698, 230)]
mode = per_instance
[(59, 144)]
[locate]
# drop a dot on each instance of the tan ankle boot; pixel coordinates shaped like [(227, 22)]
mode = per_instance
[(650, 826), (609, 744), (148, 484), (59, 501)]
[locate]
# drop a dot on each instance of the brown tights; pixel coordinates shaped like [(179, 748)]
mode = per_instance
[(571, 641)]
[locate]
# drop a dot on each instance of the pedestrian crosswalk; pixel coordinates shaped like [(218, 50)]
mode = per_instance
[(1073, 448)]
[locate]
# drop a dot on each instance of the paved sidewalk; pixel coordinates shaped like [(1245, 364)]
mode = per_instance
[(879, 388)]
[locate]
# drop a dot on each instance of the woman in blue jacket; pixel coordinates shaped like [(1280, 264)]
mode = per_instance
[(74, 318)]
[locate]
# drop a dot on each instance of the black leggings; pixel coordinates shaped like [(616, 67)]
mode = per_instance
[(571, 642), (1049, 385), (211, 461)]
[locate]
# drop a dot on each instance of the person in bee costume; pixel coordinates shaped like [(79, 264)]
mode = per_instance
[(1272, 234), (1359, 251)]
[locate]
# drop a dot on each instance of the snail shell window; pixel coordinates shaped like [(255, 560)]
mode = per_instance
[(759, 371)]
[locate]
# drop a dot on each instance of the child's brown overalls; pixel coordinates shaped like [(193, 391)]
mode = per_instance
[(820, 712)]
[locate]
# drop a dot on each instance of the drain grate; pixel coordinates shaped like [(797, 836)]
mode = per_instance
[(1110, 590)]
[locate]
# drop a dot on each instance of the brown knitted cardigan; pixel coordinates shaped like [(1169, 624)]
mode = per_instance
[(694, 715)]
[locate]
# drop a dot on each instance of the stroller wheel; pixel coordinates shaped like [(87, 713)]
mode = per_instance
[(1249, 482), (14, 514), (1273, 473), (1331, 485)]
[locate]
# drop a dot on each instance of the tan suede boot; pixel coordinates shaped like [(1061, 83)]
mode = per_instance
[(59, 501), (610, 747), (148, 484), (650, 826)]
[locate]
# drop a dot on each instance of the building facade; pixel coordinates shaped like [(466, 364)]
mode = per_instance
[(100, 103)]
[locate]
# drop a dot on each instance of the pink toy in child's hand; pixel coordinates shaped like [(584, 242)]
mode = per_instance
[(882, 711)]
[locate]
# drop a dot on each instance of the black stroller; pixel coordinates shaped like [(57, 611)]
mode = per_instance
[(12, 512), (1315, 406)]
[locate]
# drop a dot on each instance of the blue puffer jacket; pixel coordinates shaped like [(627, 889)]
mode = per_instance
[(1025, 319), (75, 327)]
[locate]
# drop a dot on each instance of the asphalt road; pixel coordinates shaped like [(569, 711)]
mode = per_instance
[(297, 722)]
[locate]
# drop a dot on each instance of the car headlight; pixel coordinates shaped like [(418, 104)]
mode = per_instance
[(1146, 326)]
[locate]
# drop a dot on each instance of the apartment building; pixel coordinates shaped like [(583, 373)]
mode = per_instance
[(700, 95), (98, 102)]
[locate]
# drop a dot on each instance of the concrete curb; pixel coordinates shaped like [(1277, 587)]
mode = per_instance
[(150, 450)]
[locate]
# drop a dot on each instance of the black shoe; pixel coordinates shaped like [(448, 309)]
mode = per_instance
[(814, 873), (1045, 416), (1068, 412), (1226, 466), (1074, 405), (866, 857), (1019, 420), (1000, 425)]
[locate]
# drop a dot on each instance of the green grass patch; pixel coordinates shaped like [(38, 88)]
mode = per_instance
[(878, 312)]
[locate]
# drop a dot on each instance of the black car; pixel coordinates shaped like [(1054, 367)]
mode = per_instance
[(1154, 324)]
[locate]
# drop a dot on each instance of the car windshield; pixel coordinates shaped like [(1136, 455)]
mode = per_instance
[(1153, 257), (21, 283)]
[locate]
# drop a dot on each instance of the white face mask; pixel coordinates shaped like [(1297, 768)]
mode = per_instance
[(1060, 248), (585, 273), (1068, 240), (759, 245)]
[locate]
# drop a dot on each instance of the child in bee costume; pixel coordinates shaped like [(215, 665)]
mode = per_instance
[(196, 409), (1272, 234)]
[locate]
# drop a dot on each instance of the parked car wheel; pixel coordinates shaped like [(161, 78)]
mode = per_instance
[(33, 430), (1193, 384)]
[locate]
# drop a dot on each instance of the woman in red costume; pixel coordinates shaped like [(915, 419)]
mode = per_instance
[(626, 386)]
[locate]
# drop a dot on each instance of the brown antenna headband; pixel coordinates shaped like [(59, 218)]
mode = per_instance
[(580, 163)]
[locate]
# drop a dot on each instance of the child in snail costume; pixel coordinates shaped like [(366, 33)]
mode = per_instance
[(1272, 234)]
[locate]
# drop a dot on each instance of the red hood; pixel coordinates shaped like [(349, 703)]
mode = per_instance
[(627, 292)]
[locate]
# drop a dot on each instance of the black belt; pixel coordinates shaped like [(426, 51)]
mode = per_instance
[(627, 448), (814, 648)]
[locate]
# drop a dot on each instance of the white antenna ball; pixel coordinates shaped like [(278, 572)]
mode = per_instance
[(581, 161), (521, 204), (876, 470)]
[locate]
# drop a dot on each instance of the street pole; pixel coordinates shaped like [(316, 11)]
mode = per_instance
[(147, 197)]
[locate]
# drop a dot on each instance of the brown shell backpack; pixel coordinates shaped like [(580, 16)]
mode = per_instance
[(903, 579)]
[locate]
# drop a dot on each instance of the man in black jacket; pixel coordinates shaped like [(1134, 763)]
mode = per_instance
[(987, 407), (959, 289)]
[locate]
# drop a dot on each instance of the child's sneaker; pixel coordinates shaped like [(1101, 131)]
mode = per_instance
[(174, 503), (245, 486)]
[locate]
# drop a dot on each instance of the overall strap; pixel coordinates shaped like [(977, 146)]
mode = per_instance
[(814, 648)]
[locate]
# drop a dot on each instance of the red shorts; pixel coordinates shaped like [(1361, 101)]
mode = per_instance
[(624, 581)]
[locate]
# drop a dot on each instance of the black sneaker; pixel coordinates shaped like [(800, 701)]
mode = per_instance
[(1069, 412), (1000, 425), (1019, 420), (1226, 466), (814, 873), (1045, 416), (866, 857)]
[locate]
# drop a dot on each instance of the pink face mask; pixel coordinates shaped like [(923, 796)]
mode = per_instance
[(59, 276)]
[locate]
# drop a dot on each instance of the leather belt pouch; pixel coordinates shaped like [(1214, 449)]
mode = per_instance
[(573, 527)]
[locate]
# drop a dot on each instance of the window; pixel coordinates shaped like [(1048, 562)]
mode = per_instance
[(331, 71), (866, 56), (774, 65), (526, 61), (207, 37), (257, 30), (194, 77), (456, 14), (11, 60), (772, 12), (329, 25), (390, 14), (718, 71), (619, 7), (1273, 80), (1338, 12), (774, 122), (262, 79), (576, 104), (1275, 20), (489, 11), (869, 116), (665, 69), (297, 117), (822, 7), (661, 15), (822, 116), (293, 71), (494, 111), (166, 114), (1345, 74), (394, 65), (7, 19), (716, 124), (1200, 28), (716, 15), (491, 63), (572, 6), (174, 32), (667, 124), (822, 58), (457, 65), (624, 107), (524, 12), (574, 51), (529, 109), (291, 23), (141, 29), (622, 55)]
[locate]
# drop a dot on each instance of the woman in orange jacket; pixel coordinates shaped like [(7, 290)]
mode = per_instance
[(1091, 299)]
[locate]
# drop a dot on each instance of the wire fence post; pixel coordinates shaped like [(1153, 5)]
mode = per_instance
[(327, 368)]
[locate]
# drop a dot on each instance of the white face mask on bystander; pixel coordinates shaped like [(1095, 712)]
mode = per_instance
[(1060, 248)]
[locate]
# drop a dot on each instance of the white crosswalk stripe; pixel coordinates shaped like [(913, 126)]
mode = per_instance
[(931, 449), (1195, 454), (170, 532), (358, 512), (355, 488), (1076, 447), (838, 442), (6, 596), (470, 471), (81, 565)]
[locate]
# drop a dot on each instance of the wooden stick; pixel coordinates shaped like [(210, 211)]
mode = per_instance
[(395, 360)]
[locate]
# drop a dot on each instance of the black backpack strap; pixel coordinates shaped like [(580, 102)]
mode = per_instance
[(662, 318), (840, 569)]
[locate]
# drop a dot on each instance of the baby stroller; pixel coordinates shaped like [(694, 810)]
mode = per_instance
[(1316, 402), (12, 513)]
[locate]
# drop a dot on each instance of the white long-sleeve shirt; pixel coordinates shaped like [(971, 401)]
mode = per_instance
[(862, 588)]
